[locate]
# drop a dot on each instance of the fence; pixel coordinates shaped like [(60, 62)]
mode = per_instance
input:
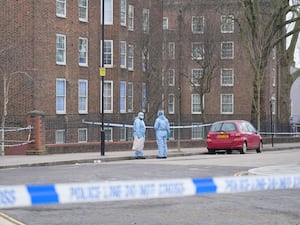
[(83, 129)]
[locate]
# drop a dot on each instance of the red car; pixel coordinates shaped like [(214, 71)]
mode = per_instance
[(233, 135)]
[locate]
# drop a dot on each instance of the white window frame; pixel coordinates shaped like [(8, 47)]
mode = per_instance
[(60, 136), (227, 77), (196, 76), (144, 97), (107, 97), (227, 53), (108, 53), (61, 96), (171, 77), (227, 24), (122, 96), (172, 49), (146, 21), (61, 49), (82, 135), (82, 97), (62, 3), (83, 48), (123, 132), (108, 134), (130, 17), (165, 23), (145, 59), (197, 25), (130, 56), (130, 96), (83, 6), (171, 104), (108, 12), (197, 51), (123, 55), (197, 131), (123, 12), (194, 104), (274, 77), (223, 104)]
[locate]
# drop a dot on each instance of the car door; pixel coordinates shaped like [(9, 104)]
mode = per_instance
[(253, 137)]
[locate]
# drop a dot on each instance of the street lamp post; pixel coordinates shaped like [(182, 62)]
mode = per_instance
[(102, 87), (272, 101)]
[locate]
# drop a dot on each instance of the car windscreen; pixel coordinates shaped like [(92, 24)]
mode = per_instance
[(226, 127)]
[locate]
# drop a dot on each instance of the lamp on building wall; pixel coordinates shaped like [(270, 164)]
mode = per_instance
[(272, 102), (102, 74)]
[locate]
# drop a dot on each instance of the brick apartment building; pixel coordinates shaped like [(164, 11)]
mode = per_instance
[(51, 51)]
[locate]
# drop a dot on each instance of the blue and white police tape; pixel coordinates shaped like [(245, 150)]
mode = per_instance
[(31, 195), (127, 125)]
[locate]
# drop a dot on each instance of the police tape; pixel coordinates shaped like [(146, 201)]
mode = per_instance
[(32, 195), (127, 125)]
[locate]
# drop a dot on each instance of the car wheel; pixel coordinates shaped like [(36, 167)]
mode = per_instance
[(244, 148), (211, 151), (260, 147)]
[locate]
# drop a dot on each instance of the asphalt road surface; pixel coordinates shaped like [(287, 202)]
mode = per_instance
[(265, 207)]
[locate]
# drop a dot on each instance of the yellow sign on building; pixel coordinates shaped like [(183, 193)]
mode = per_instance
[(102, 72)]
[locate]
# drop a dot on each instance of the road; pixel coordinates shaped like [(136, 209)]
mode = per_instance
[(266, 207)]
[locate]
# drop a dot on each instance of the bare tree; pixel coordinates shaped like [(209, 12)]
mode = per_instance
[(262, 28)]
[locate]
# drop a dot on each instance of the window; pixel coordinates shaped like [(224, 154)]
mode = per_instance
[(196, 76), (82, 135), (122, 97), (108, 53), (108, 96), (274, 77), (274, 53), (171, 77), (108, 133), (61, 49), (197, 131), (60, 96), (82, 96), (123, 12), (60, 137), (130, 97), (227, 50), (165, 23), (197, 51), (108, 12), (83, 51), (122, 133), (172, 130), (171, 103), (197, 24), (83, 10), (227, 77), (123, 54), (61, 8), (146, 20), (130, 57), (130, 134), (227, 24), (145, 59), (227, 103), (131, 17), (144, 97), (196, 105), (171, 50)]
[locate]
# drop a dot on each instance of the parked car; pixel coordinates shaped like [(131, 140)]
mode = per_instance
[(231, 135)]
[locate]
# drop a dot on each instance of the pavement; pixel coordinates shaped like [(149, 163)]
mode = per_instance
[(14, 161)]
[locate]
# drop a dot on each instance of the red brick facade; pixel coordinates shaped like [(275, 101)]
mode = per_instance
[(30, 34)]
